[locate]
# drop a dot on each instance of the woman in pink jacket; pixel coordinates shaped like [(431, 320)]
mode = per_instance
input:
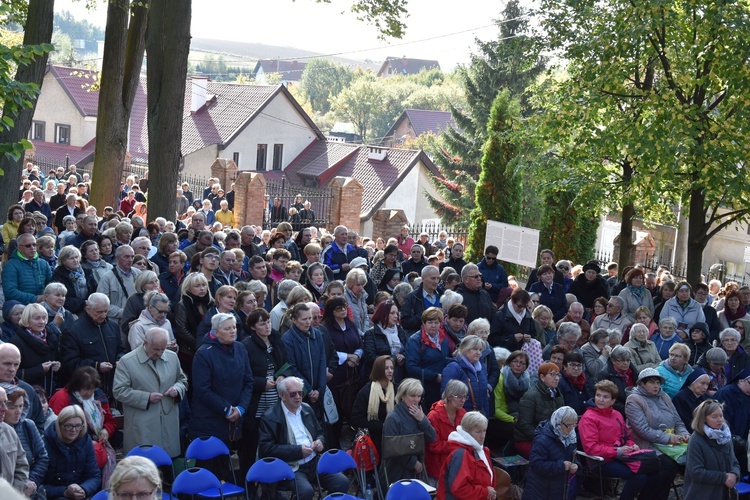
[(604, 434)]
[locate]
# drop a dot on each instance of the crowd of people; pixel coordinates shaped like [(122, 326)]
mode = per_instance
[(285, 342)]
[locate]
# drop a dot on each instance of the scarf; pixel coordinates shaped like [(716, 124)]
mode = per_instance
[(377, 396), (42, 336), (577, 382), (515, 387), (94, 263), (204, 301), (78, 278), (555, 421), (152, 319), (463, 437), (626, 375), (637, 291), (94, 412), (518, 316), (391, 333), (732, 316), (721, 436)]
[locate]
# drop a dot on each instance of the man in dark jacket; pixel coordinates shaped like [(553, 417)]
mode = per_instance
[(416, 262), (339, 253), (736, 399), (93, 340), (476, 299), (306, 352), (493, 274), (70, 208), (712, 317), (38, 204), (88, 232), (290, 431), (425, 296)]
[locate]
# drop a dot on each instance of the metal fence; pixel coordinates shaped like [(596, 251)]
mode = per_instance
[(434, 230), (321, 201)]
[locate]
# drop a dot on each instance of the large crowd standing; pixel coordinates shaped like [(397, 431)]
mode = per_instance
[(286, 342)]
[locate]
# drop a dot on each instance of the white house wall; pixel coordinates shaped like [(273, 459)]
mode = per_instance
[(55, 107), (199, 162), (278, 123)]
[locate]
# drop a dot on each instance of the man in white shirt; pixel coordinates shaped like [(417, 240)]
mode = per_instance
[(290, 431)]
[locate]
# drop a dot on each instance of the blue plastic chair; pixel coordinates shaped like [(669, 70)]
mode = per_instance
[(406, 488), (332, 462), (742, 488), (157, 455), (342, 496), (195, 481), (207, 449), (102, 495), (269, 471)]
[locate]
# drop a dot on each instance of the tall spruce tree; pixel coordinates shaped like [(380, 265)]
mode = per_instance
[(512, 62)]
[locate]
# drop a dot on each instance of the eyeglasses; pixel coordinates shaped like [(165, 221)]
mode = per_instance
[(487, 257), (28, 245), (340, 308), (143, 495), (461, 398), (554, 375), (568, 426), (576, 366), (519, 362), (475, 276), (72, 427), (160, 311), (294, 394)]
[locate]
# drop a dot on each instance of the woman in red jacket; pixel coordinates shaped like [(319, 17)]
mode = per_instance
[(603, 433), (467, 472), (445, 416)]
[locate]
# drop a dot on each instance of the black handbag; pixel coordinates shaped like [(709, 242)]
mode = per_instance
[(405, 445)]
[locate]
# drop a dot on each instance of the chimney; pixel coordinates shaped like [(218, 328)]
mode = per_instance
[(376, 154), (199, 85)]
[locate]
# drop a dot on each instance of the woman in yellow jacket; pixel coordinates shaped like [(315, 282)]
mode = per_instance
[(225, 216), (10, 228)]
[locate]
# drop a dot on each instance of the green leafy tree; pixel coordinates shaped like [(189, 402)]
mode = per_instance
[(512, 62), (359, 102), (569, 225), (322, 80), (19, 93), (64, 53), (667, 101), (498, 189)]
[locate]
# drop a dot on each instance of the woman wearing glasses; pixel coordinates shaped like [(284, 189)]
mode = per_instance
[(445, 416), (574, 385), (537, 405), (552, 463), (153, 316), (135, 478), (73, 472)]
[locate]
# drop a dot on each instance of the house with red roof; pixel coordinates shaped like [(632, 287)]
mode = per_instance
[(393, 66), (290, 72), (414, 122)]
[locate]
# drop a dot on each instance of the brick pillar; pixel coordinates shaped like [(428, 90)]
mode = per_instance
[(347, 203), (249, 193), (387, 223), (226, 171)]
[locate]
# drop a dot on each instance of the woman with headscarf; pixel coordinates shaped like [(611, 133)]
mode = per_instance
[(692, 394), (468, 471), (552, 463)]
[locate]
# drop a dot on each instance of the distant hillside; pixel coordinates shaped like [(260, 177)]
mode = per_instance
[(255, 51)]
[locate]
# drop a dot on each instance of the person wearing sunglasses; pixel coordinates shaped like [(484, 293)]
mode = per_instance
[(73, 471), (494, 276), (24, 274)]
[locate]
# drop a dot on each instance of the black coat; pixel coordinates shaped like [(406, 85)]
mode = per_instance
[(412, 309), (34, 352), (73, 302), (376, 344), (559, 278), (60, 215), (609, 373), (274, 433), (259, 358), (478, 302), (587, 291), (504, 327)]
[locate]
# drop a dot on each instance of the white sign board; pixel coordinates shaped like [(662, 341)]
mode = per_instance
[(517, 244), (747, 254)]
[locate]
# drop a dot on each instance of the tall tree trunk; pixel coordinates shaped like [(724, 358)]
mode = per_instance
[(38, 30), (696, 235), (626, 227), (168, 46), (124, 46)]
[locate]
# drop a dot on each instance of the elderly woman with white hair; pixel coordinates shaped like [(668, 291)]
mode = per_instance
[(467, 367), (153, 316), (356, 296), (222, 385), (78, 280), (135, 477), (39, 347), (644, 352), (54, 302), (666, 336), (468, 471), (737, 358)]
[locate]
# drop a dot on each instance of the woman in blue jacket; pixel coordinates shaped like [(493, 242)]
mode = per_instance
[(467, 367), (427, 353), (552, 465), (72, 467)]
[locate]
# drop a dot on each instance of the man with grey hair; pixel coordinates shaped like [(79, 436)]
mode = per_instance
[(70, 208), (279, 309), (182, 202), (119, 283), (425, 296), (614, 317), (290, 431), (93, 340), (575, 315), (10, 360), (224, 272), (476, 299), (89, 231), (39, 204), (339, 253), (150, 385), (247, 243), (568, 334), (14, 467), (24, 274)]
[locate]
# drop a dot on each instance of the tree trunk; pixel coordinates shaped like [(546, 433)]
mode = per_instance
[(696, 235), (38, 30), (124, 46), (626, 227), (168, 45)]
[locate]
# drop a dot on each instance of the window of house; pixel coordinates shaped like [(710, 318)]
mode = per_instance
[(236, 158), (62, 134), (278, 153), (37, 131), (260, 162)]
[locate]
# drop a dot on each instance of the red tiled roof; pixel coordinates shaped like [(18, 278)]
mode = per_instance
[(76, 82), (290, 70), (326, 160), (57, 153), (407, 65), (423, 121)]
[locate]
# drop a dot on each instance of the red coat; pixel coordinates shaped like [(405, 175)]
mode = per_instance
[(62, 398), (438, 450), (466, 474), (601, 432)]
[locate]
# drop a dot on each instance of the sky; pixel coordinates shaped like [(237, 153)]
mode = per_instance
[(435, 29)]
